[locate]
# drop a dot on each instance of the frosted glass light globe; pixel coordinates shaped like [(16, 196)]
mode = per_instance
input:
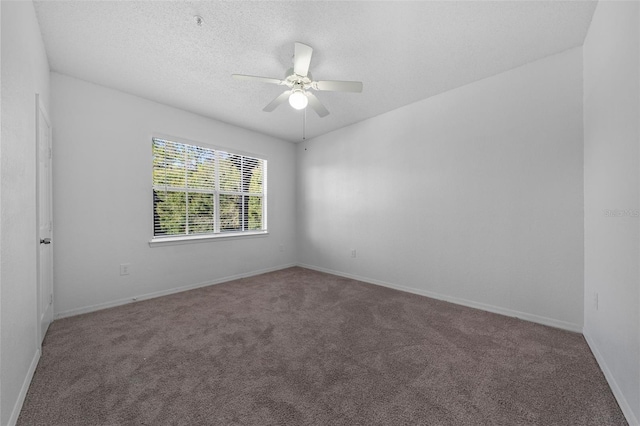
[(298, 100)]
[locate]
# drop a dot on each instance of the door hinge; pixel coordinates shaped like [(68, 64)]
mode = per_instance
[(49, 152), (50, 298)]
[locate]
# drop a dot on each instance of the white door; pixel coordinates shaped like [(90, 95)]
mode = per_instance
[(44, 198)]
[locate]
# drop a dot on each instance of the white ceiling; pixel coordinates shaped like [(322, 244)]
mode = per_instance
[(402, 51)]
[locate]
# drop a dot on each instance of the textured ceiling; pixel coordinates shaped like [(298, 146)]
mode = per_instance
[(401, 51)]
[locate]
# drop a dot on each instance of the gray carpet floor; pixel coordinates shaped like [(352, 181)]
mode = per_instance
[(299, 347)]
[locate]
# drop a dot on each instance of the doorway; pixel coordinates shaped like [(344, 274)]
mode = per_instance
[(44, 218)]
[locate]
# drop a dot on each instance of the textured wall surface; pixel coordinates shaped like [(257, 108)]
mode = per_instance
[(103, 201), (612, 197), (474, 195), (25, 72)]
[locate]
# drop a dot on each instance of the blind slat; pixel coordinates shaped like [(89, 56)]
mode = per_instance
[(199, 190)]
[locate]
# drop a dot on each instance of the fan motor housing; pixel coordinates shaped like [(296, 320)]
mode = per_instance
[(292, 79)]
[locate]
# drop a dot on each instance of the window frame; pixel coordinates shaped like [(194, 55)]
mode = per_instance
[(217, 234)]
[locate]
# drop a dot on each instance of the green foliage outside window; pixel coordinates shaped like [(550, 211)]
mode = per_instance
[(185, 191)]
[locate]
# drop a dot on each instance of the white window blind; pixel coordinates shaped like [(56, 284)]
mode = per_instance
[(199, 190)]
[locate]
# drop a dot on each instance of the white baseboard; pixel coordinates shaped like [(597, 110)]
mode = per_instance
[(622, 401), (132, 299), (23, 390), (458, 301)]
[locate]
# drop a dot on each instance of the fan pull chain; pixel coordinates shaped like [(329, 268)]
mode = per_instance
[(304, 124)]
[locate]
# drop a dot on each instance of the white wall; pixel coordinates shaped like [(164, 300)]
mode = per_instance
[(612, 182), (103, 201), (473, 196), (25, 72)]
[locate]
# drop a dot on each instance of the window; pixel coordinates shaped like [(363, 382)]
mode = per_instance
[(199, 191)]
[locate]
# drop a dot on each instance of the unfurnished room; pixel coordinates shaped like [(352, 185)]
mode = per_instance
[(320, 213)]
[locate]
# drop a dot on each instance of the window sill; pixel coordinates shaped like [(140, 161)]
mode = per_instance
[(170, 241)]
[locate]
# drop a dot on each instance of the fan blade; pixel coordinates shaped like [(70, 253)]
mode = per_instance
[(277, 101), (302, 59), (338, 86), (256, 78), (316, 105)]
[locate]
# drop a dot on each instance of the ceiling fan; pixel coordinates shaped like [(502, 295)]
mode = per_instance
[(299, 82)]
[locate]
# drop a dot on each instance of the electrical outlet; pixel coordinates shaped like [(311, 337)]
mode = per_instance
[(124, 268), (281, 247), (353, 252)]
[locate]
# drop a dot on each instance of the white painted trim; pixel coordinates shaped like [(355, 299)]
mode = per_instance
[(617, 393), (41, 109), (23, 391), (458, 301), (203, 238), (119, 302)]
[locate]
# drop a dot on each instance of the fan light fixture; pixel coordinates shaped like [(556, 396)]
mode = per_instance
[(298, 100)]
